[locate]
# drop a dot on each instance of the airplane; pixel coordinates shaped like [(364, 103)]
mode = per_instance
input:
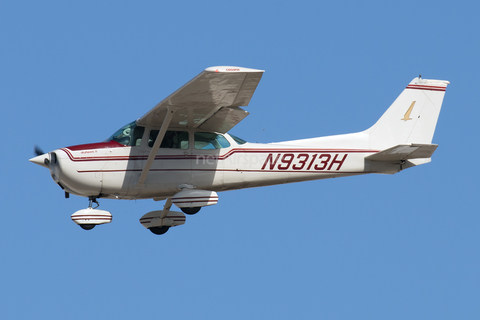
[(180, 151)]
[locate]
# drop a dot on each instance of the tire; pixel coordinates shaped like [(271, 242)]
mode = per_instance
[(159, 230), (191, 210), (87, 226)]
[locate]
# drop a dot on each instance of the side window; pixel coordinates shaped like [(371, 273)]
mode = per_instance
[(208, 140), (137, 135), (172, 139)]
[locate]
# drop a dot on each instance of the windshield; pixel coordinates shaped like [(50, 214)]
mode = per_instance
[(128, 135)]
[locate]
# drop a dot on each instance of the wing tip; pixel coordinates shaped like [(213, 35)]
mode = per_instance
[(230, 69)]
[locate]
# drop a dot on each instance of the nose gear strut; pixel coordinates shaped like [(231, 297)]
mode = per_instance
[(91, 201)]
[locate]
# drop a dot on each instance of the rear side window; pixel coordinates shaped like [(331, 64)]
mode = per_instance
[(209, 140)]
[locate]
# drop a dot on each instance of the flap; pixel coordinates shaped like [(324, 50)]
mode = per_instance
[(404, 152), (210, 101)]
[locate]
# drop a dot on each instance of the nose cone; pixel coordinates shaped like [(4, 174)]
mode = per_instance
[(41, 160)]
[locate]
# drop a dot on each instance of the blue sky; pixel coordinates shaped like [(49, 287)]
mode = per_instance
[(369, 247)]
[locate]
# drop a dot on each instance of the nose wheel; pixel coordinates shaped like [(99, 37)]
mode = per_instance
[(91, 201), (87, 226), (88, 218)]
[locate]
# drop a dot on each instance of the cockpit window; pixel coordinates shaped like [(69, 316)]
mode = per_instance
[(237, 139), (128, 135), (172, 139), (209, 140)]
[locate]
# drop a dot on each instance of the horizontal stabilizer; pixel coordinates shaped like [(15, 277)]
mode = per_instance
[(404, 152)]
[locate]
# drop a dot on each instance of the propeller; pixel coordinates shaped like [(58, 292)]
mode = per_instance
[(45, 162), (41, 158), (38, 151)]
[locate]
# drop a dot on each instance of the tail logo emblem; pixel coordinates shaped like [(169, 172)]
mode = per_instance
[(407, 114)]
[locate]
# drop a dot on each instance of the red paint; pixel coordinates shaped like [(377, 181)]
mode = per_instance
[(339, 162), (287, 160), (187, 198), (98, 145), (272, 163), (301, 162), (324, 162), (422, 87), (311, 162)]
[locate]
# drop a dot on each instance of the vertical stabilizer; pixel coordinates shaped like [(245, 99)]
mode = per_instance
[(412, 117)]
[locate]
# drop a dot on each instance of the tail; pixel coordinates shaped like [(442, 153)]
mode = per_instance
[(412, 117)]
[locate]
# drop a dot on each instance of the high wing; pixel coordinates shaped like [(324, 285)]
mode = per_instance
[(211, 101)]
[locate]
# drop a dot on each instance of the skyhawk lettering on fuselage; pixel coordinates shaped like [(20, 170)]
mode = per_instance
[(304, 161)]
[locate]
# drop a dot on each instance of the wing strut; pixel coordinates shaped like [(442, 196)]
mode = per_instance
[(161, 134), (166, 208)]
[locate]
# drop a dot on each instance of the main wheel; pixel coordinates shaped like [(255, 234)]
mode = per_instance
[(87, 226), (159, 230), (191, 210)]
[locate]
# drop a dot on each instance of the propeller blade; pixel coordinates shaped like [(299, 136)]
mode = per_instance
[(38, 151)]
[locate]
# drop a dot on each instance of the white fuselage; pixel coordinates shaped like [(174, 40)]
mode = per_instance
[(180, 150), (111, 170)]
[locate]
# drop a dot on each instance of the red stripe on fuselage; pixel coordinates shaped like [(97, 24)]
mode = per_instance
[(210, 156), (98, 145), (222, 170)]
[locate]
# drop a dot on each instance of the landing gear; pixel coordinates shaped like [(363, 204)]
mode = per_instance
[(91, 201), (159, 230), (88, 218), (160, 221), (191, 210)]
